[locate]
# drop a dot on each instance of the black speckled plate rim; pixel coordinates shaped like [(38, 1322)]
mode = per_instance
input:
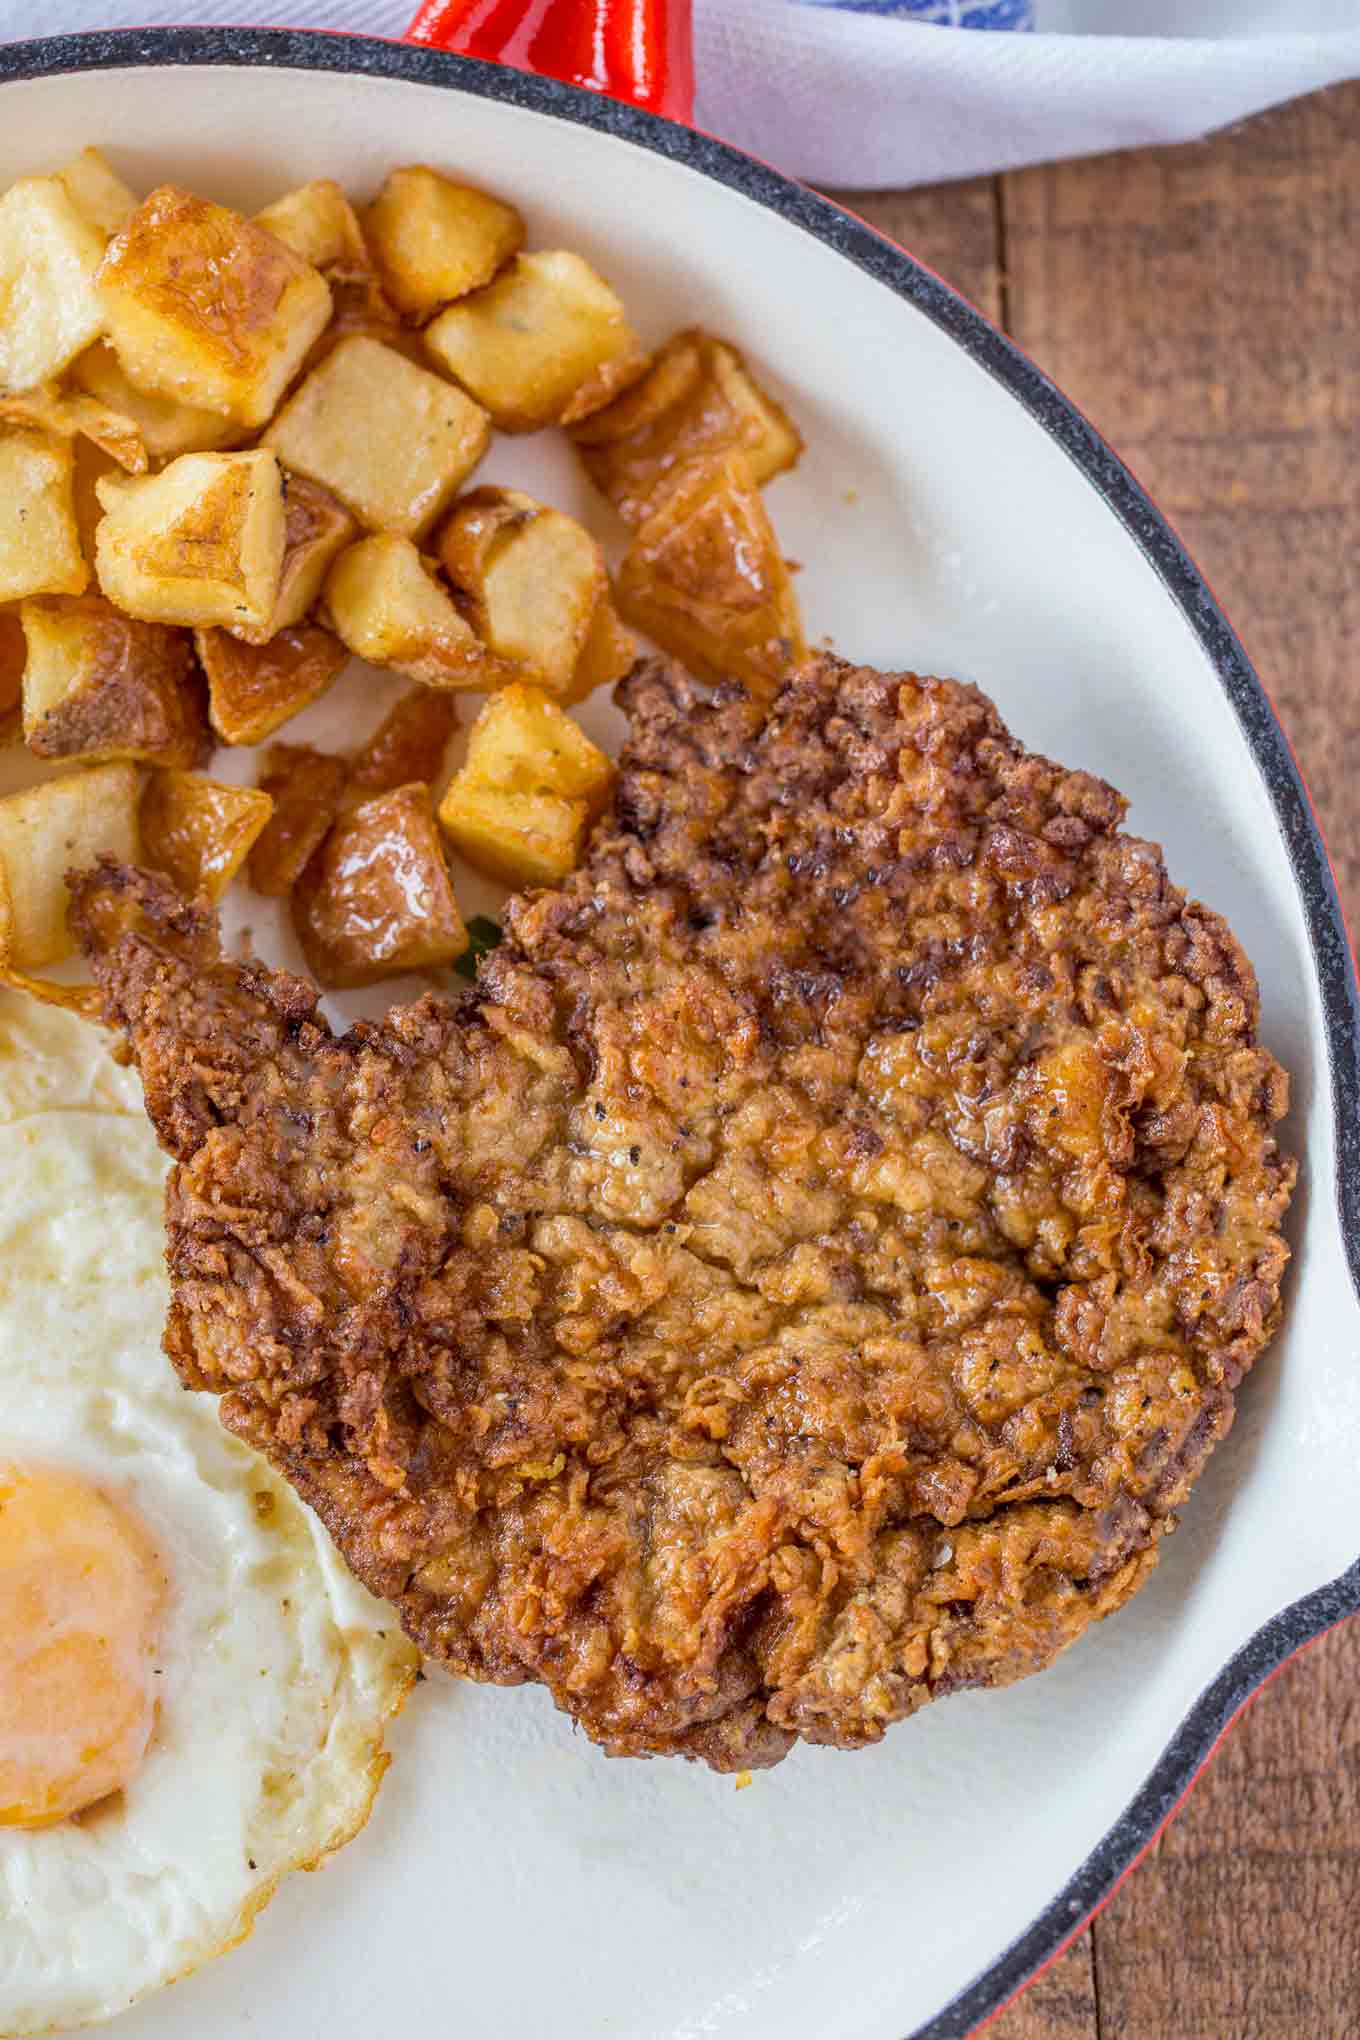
[(1307, 1619)]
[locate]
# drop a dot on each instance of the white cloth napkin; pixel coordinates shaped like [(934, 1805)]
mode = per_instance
[(853, 95)]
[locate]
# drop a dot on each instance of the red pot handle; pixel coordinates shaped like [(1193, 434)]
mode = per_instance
[(638, 50)]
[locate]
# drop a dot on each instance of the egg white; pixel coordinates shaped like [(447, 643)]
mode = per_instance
[(276, 1671)]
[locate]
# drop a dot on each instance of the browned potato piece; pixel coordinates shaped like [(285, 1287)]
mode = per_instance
[(547, 342), (387, 606), (58, 826), (531, 578), (409, 744), (697, 400), (199, 832), (318, 223), (316, 529), (254, 689), (207, 308), (164, 427), (519, 808), (13, 652), (391, 440), (306, 788), (49, 255), (100, 685), (39, 544), (97, 192), (200, 543), (377, 899), (86, 1000), (434, 240), (705, 579)]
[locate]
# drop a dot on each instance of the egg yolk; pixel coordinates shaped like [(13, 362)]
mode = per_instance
[(81, 1599)]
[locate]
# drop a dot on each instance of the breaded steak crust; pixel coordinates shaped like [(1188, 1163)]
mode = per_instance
[(807, 1274)]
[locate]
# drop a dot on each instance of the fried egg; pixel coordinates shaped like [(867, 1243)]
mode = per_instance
[(192, 1689)]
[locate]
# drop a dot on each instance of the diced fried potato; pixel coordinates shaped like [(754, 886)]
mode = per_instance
[(434, 240), (98, 192), (83, 999), (13, 653), (99, 685), (165, 427), (531, 578), (59, 826), (198, 831), (39, 543), (697, 400), (519, 808), (254, 689), (49, 307), (316, 529), (547, 342), (387, 606), (391, 440), (705, 579), (306, 788), (608, 653), (318, 223), (377, 899), (67, 415), (200, 543), (524, 742), (207, 308), (519, 838), (409, 744)]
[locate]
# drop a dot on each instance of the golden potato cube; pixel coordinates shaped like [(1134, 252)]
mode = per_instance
[(13, 654), (377, 899), (207, 308), (519, 838), (318, 223), (165, 427), (697, 400), (408, 744), (306, 788), (59, 826), (254, 689), (39, 543), (316, 529), (434, 240), (547, 342), (704, 578), (49, 306), (531, 579), (198, 831), (523, 742), (99, 685), (390, 439), (200, 543), (98, 192), (519, 808), (386, 605)]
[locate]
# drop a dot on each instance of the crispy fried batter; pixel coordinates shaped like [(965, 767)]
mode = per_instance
[(802, 1279)]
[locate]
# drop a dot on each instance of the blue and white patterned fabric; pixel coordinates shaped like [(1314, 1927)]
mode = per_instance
[(892, 92), (945, 13)]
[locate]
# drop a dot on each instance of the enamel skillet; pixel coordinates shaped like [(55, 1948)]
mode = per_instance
[(954, 513)]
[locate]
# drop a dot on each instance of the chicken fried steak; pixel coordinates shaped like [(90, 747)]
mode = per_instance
[(804, 1277)]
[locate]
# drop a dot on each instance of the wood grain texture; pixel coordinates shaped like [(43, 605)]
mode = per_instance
[(1203, 306)]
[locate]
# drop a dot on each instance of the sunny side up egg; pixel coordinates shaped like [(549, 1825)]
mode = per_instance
[(192, 1690)]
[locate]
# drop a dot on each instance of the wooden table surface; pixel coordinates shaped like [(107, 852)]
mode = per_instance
[(1202, 305)]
